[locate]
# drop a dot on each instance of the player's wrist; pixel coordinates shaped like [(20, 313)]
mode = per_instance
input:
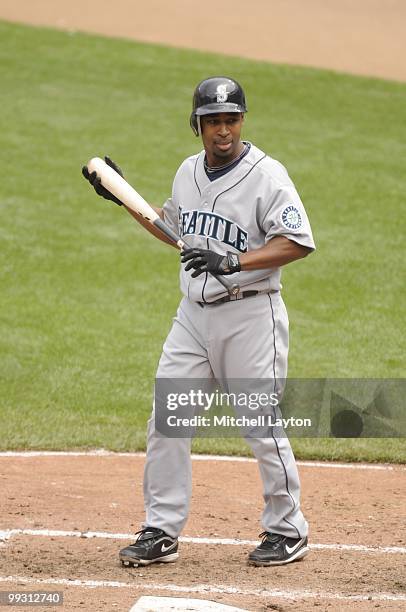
[(233, 263)]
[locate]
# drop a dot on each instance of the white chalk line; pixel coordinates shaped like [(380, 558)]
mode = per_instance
[(205, 589), (55, 533), (104, 453)]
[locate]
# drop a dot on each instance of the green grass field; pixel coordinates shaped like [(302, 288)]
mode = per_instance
[(87, 296)]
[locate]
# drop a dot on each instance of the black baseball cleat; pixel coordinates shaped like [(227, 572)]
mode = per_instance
[(277, 549), (152, 546)]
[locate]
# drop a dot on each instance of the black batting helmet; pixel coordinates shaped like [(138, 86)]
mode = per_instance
[(216, 95)]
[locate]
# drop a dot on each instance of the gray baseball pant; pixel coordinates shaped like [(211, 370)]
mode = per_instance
[(249, 339)]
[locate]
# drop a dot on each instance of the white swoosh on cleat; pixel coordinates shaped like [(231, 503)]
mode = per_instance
[(291, 550), (166, 548)]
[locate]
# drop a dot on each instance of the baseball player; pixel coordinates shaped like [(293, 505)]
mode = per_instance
[(240, 213)]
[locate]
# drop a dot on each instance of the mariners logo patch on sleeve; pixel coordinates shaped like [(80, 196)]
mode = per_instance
[(291, 217)]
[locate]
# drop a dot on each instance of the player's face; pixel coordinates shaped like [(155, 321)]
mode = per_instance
[(221, 137)]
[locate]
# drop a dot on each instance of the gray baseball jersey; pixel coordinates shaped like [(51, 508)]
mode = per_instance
[(240, 211)]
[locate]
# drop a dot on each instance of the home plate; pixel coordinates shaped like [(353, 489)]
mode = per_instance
[(172, 604)]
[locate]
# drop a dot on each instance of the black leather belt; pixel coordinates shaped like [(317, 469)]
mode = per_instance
[(233, 298)]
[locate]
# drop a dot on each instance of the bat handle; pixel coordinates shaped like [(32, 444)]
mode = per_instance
[(232, 288)]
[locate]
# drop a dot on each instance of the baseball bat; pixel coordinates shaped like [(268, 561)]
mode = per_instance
[(119, 187)]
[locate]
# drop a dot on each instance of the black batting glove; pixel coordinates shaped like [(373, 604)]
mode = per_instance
[(202, 260), (95, 181)]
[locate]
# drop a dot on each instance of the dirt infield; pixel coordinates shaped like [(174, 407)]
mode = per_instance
[(357, 518), (362, 36)]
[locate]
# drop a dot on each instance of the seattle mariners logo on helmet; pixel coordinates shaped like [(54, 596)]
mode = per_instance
[(222, 94), (216, 95), (291, 218)]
